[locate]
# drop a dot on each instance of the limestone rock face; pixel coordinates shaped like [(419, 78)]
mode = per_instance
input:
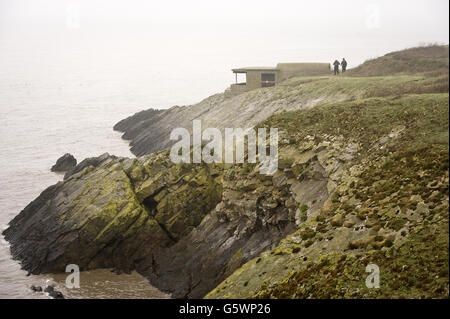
[(64, 163), (246, 222)]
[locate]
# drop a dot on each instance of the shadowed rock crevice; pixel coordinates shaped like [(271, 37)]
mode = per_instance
[(150, 203)]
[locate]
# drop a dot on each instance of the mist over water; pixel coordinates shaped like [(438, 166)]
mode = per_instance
[(69, 70)]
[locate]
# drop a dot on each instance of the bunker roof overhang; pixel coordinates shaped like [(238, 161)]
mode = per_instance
[(257, 68)]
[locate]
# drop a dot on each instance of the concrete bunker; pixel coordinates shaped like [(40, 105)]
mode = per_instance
[(261, 77)]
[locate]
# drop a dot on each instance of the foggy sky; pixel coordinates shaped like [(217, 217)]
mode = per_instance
[(222, 34), (405, 21)]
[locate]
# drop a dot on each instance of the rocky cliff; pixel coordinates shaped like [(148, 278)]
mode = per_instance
[(388, 206), (363, 177)]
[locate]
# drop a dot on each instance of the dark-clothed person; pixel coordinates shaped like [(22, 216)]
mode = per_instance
[(336, 67), (344, 65)]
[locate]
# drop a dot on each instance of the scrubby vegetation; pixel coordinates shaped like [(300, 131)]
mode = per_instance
[(417, 269), (367, 120)]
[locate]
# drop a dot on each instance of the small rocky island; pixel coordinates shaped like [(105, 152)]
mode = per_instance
[(363, 178)]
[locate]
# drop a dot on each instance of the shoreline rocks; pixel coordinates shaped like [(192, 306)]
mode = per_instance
[(50, 289), (36, 288), (54, 293)]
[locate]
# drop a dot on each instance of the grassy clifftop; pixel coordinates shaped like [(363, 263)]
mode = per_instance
[(432, 59)]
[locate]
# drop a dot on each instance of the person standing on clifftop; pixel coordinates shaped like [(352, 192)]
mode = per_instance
[(344, 65), (336, 67)]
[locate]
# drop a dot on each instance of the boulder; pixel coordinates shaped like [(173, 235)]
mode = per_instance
[(36, 288), (53, 293)]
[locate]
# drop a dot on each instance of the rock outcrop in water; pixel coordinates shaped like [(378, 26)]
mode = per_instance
[(360, 181), (64, 163)]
